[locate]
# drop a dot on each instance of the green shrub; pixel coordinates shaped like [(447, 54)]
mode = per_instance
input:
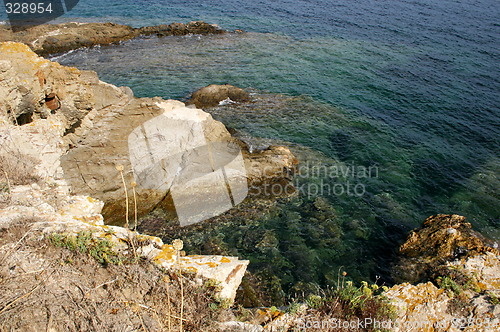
[(493, 299), (449, 284)]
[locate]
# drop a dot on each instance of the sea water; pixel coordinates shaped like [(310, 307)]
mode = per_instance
[(410, 87)]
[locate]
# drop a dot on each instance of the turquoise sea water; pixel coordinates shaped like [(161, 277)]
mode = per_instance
[(409, 86)]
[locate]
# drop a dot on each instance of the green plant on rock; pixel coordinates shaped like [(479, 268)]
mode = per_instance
[(213, 287), (364, 300), (450, 285), (98, 248), (294, 308), (493, 299), (455, 279)]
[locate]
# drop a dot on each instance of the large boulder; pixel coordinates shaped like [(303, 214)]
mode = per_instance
[(133, 154), (213, 94), (441, 239), (450, 276)]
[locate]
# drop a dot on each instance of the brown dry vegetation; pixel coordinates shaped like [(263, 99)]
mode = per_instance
[(15, 169), (346, 308), (48, 288)]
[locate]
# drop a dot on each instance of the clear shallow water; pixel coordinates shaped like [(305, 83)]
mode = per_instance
[(411, 87)]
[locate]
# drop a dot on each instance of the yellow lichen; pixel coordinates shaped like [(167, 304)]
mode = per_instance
[(195, 256), (18, 48), (225, 260), (211, 264), (91, 200), (167, 254), (191, 269)]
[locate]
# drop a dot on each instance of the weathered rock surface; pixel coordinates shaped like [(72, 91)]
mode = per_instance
[(172, 152), (213, 94), (424, 307), (448, 252), (484, 268), (441, 239), (55, 38), (29, 82)]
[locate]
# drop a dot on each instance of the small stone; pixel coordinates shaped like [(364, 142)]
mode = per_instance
[(177, 244)]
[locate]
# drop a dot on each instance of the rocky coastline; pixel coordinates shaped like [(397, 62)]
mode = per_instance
[(58, 38), (64, 133)]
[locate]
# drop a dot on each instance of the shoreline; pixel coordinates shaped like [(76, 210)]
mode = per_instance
[(49, 39)]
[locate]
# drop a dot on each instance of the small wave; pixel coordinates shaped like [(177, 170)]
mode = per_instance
[(226, 101), (59, 56)]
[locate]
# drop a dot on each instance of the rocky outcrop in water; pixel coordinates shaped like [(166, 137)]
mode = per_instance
[(441, 239), (459, 274), (56, 38), (213, 94)]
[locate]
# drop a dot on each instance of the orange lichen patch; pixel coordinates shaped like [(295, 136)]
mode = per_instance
[(270, 313), (194, 256), (167, 254), (107, 236), (14, 47), (145, 238), (225, 260), (482, 286), (91, 200), (191, 269), (211, 264), (89, 219)]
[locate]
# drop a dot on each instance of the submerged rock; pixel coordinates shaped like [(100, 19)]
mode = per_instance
[(213, 94)]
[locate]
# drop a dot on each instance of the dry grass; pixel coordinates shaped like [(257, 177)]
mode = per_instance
[(18, 169), (15, 169), (43, 286)]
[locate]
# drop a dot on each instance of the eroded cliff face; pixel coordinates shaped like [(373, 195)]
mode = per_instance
[(177, 157)]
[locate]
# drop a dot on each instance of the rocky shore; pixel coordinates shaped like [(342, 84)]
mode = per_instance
[(57, 38), (75, 157)]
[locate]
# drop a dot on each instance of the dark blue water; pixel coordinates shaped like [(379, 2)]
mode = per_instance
[(408, 86)]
